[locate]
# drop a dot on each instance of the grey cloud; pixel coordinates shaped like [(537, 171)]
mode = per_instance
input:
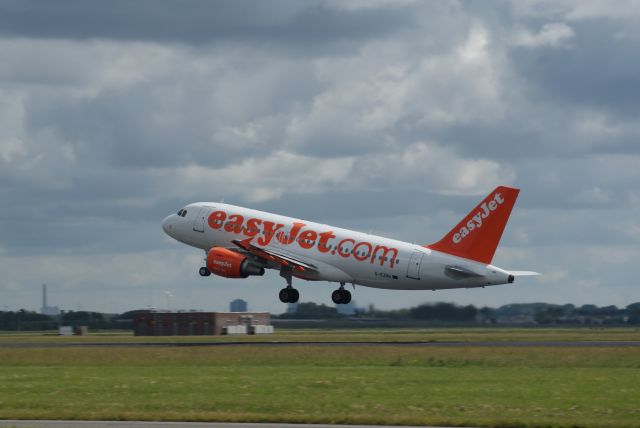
[(599, 68), (99, 135), (224, 113), (198, 21), (510, 143), (125, 128)]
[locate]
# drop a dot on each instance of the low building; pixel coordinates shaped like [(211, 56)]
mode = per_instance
[(200, 323)]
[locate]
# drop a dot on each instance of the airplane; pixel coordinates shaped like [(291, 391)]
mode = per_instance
[(241, 242)]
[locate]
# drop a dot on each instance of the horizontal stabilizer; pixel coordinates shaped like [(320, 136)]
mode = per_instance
[(523, 273), (457, 272)]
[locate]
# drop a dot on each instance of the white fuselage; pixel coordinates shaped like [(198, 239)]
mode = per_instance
[(340, 255)]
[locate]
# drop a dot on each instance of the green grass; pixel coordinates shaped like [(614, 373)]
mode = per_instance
[(476, 386), (345, 335)]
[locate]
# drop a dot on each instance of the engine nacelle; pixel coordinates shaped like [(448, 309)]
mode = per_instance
[(230, 264)]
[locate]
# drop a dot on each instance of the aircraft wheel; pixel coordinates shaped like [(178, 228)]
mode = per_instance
[(284, 295), (294, 295), (204, 271), (336, 296), (346, 297), (341, 296)]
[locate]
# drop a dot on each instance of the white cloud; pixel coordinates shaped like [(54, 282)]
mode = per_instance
[(371, 4), (260, 179), (554, 277), (423, 166), (556, 34), (390, 88), (119, 274), (426, 165), (84, 68), (605, 256), (593, 195), (578, 9), (12, 144)]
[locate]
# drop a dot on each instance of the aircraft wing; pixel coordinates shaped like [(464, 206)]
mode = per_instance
[(276, 256)]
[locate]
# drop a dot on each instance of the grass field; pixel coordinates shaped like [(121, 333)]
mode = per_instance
[(347, 335), (476, 386)]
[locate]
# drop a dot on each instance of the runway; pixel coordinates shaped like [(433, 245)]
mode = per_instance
[(435, 344), (135, 424)]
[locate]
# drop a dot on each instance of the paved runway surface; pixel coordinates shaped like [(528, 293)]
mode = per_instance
[(553, 344), (130, 424)]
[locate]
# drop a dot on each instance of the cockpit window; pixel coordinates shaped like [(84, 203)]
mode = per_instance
[(182, 212)]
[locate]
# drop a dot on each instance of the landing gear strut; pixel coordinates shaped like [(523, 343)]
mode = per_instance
[(288, 294), (341, 296), (204, 270)]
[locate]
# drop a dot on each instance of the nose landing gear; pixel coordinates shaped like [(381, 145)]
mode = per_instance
[(288, 294), (341, 296), (204, 270)]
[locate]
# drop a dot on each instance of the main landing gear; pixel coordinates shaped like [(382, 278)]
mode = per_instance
[(288, 294), (341, 296)]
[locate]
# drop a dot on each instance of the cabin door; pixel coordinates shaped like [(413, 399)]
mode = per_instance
[(413, 270)]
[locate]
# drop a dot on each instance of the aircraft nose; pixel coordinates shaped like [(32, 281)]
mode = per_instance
[(167, 225)]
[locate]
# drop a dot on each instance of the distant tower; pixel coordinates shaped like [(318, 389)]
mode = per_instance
[(46, 309), (238, 305), (44, 296)]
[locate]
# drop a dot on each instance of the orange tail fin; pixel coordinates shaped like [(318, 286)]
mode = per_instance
[(477, 236)]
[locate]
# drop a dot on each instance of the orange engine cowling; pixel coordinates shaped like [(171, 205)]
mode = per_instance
[(230, 264)]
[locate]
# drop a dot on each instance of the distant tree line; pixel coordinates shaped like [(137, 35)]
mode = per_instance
[(588, 314), (521, 313), (437, 312), (24, 320)]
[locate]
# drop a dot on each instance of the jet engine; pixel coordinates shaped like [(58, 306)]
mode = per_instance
[(230, 264)]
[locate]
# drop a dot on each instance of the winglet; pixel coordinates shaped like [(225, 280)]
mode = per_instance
[(477, 236)]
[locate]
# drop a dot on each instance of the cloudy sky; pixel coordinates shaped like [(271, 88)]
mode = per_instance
[(394, 117)]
